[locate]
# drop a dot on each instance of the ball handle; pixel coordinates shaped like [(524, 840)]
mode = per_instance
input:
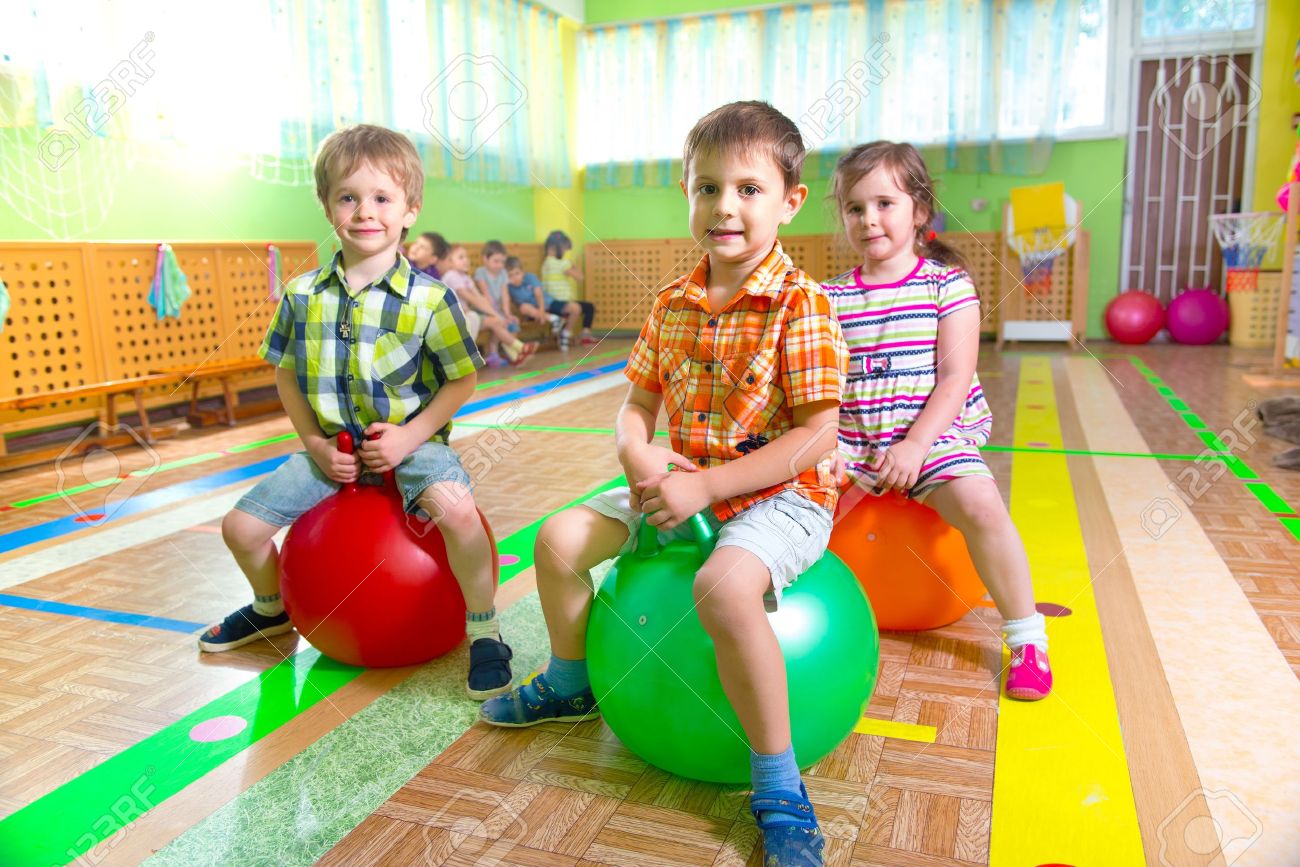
[(347, 446), (647, 540)]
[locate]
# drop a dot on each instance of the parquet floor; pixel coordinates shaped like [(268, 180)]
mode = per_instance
[(75, 692)]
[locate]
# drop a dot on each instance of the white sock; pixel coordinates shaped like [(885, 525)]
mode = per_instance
[(268, 606), (482, 625), (1026, 630)]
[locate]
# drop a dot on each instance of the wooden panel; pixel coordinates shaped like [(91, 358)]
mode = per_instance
[(49, 337), (622, 277), (620, 273), (807, 253), (80, 314)]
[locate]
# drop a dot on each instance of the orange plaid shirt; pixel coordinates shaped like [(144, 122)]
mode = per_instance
[(730, 380)]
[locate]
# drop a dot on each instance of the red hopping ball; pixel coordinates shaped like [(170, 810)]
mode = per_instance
[(368, 584)]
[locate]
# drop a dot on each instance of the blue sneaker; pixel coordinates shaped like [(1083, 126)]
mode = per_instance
[(243, 626), (489, 668), (537, 702), (791, 837)]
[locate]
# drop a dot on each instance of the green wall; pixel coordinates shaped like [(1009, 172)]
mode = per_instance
[(605, 11), (182, 199), (1092, 171)]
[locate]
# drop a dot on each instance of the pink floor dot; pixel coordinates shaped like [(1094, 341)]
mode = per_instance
[(89, 518), (218, 729), (1037, 445), (1051, 609), (508, 559)]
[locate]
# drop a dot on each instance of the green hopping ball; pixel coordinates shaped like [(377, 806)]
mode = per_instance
[(668, 707)]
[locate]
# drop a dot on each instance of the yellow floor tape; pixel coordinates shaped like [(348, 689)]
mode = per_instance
[(1061, 791), (901, 731)]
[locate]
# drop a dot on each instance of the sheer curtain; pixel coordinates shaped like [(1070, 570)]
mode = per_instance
[(478, 84), (980, 83)]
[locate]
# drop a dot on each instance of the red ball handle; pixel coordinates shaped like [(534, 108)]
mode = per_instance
[(346, 446)]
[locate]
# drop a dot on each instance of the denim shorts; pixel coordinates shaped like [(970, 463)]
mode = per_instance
[(788, 532), (298, 484)]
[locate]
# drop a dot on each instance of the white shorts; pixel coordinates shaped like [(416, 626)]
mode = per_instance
[(787, 532)]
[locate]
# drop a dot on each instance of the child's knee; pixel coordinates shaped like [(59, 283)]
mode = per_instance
[(450, 507), (244, 533), (980, 512), (718, 600), (557, 544)]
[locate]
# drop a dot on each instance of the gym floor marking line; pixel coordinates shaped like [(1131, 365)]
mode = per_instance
[(1087, 797), (41, 832), (1267, 497)]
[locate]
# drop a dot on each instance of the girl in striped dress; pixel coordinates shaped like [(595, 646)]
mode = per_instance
[(914, 416)]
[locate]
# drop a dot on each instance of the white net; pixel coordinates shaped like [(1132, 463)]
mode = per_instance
[(1247, 239)]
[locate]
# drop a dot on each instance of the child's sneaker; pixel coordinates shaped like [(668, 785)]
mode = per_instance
[(565, 341), (489, 668), (1030, 676), (557, 323), (537, 702), (494, 360), (588, 340), (243, 626), (791, 837)]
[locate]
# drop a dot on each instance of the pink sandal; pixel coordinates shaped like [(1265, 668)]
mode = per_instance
[(1030, 675), (524, 354)]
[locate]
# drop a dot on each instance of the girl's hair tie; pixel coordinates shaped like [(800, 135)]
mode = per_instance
[(930, 237)]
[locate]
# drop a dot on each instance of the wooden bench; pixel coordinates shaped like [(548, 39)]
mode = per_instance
[(222, 371), (108, 437)]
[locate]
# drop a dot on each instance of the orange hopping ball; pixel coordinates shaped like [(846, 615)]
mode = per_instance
[(914, 566)]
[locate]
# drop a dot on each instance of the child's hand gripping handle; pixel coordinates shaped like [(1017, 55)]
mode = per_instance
[(647, 540)]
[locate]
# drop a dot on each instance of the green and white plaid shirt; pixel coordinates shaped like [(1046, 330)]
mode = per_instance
[(375, 354)]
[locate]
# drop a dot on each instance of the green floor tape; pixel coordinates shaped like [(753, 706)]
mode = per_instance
[(83, 812), (301, 810), (78, 815)]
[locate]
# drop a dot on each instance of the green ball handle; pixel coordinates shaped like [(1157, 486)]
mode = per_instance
[(647, 540)]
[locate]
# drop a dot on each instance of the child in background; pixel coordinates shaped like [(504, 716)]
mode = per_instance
[(454, 267), (560, 276), (914, 414), (425, 251), (533, 302), (370, 346), (490, 277)]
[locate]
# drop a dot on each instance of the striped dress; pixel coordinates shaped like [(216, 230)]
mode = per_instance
[(892, 330)]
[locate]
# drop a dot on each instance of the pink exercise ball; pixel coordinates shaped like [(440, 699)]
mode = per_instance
[(1197, 316), (1134, 316)]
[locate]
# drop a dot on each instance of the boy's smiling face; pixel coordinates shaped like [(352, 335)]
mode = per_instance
[(737, 203), (368, 210)]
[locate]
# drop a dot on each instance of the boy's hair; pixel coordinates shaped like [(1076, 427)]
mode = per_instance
[(494, 248), (912, 177), (557, 241), (439, 244), (513, 262), (345, 150), (744, 128)]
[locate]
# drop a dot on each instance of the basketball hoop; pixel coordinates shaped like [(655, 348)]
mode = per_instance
[(1246, 240), (1038, 247)]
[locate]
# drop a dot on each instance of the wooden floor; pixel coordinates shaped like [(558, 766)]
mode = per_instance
[(75, 691)]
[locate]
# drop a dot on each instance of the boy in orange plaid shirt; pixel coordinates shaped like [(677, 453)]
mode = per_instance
[(747, 357)]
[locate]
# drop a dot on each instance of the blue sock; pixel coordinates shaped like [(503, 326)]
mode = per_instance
[(568, 676), (778, 773), (774, 773)]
